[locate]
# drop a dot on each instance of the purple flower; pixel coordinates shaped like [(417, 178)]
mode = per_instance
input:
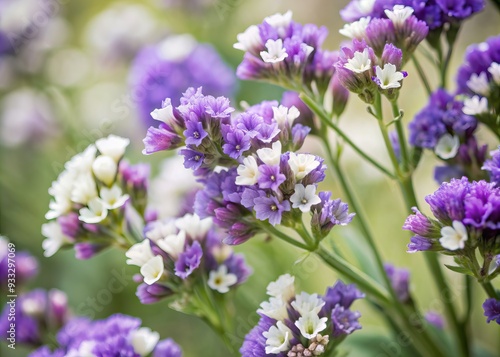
[(85, 251), (270, 208), (459, 10), (341, 294), (421, 225), (189, 260), (26, 266), (400, 281), (435, 319), (491, 309), (150, 294), (270, 177), (418, 244), (192, 159), (344, 321), (254, 344), (136, 176), (329, 213), (493, 166), (159, 139), (70, 224), (447, 203), (167, 348), (194, 133), (236, 142)]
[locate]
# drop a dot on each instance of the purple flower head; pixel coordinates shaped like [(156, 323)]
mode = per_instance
[(135, 176), (236, 142), (194, 133), (189, 260), (160, 139), (342, 295), (344, 321), (447, 203), (491, 309), (267, 132), (400, 281), (379, 34), (419, 224), (270, 208), (270, 177), (26, 266), (446, 173), (459, 10), (299, 134), (167, 348), (435, 319), (328, 214), (239, 233), (419, 244), (254, 344), (70, 224), (493, 166), (393, 55), (249, 123), (192, 159), (150, 294)]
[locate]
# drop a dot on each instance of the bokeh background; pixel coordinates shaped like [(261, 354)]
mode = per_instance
[(68, 83)]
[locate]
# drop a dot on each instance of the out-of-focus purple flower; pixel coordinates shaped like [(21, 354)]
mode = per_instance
[(26, 265), (167, 348), (341, 294), (400, 281), (419, 244), (493, 166), (491, 309), (254, 344), (85, 251), (165, 70), (435, 319), (344, 321)]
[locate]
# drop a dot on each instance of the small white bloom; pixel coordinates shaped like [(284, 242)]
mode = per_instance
[(105, 168), (454, 238), (363, 7), (82, 163), (173, 244), (84, 189), (152, 271), (275, 308), (284, 115), (61, 191), (144, 340), (280, 22), (310, 325), (275, 52), (248, 40), (112, 197), (55, 238), (3, 246), (94, 213), (302, 164), (447, 146), (221, 280), (357, 29), (399, 14), (282, 288), (307, 303), (478, 83), (165, 114), (248, 172), (270, 156), (388, 77), (194, 227), (360, 62), (112, 146), (494, 70), (277, 338), (475, 105), (221, 253), (84, 350), (304, 198), (161, 230), (139, 254)]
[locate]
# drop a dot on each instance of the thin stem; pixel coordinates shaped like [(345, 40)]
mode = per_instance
[(328, 122), (422, 75), (401, 135), (490, 290), (271, 230)]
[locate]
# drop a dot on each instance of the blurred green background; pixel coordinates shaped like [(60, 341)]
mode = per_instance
[(81, 83)]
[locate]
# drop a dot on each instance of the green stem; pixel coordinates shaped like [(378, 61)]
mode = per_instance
[(422, 75), (273, 231), (401, 135), (325, 119), (490, 290)]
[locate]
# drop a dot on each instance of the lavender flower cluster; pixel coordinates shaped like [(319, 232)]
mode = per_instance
[(302, 324), (118, 335), (26, 266)]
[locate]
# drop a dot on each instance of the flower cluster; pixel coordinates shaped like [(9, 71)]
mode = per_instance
[(166, 69), (93, 198), (118, 335), (492, 165), (491, 309), (302, 324), (467, 219), (287, 53), (179, 253), (435, 13), (37, 313), (26, 266)]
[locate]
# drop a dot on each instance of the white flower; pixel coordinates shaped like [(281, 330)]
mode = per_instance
[(104, 168), (475, 105), (221, 253), (304, 198), (248, 172), (282, 288), (388, 77), (160, 230), (357, 29), (152, 271), (494, 70), (275, 308), (82, 163), (84, 189), (399, 14), (360, 62), (310, 325), (143, 340), (165, 114), (280, 21), (270, 156), (277, 338), (94, 213), (221, 280), (248, 40), (84, 350), (194, 227), (454, 238), (61, 191), (173, 244), (284, 115), (176, 48), (275, 52), (307, 303), (112, 146), (55, 238), (302, 164), (363, 7), (478, 83), (139, 254), (112, 197), (447, 146), (3, 247)]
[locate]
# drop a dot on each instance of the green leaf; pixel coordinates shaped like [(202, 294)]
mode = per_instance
[(460, 270)]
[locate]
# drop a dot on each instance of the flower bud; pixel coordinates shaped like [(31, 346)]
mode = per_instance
[(104, 168)]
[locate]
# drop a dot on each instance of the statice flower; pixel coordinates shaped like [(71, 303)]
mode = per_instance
[(493, 166), (179, 253), (491, 309), (466, 222), (26, 265), (166, 69), (37, 314), (95, 196), (293, 324), (400, 281), (118, 335)]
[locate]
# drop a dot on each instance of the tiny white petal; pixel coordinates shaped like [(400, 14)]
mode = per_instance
[(161, 230), (144, 340), (447, 146), (399, 14), (152, 271), (270, 156), (282, 288), (275, 308), (302, 164), (248, 172), (478, 83), (304, 198), (139, 254), (475, 105), (84, 189), (310, 325), (173, 244), (275, 52), (94, 213), (194, 227), (388, 77), (283, 115), (280, 21), (453, 238), (165, 114), (277, 338), (356, 29), (112, 146), (248, 40), (494, 70), (307, 303), (55, 238), (360, 62), (220, 280), (113, 198), (105, 168)]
